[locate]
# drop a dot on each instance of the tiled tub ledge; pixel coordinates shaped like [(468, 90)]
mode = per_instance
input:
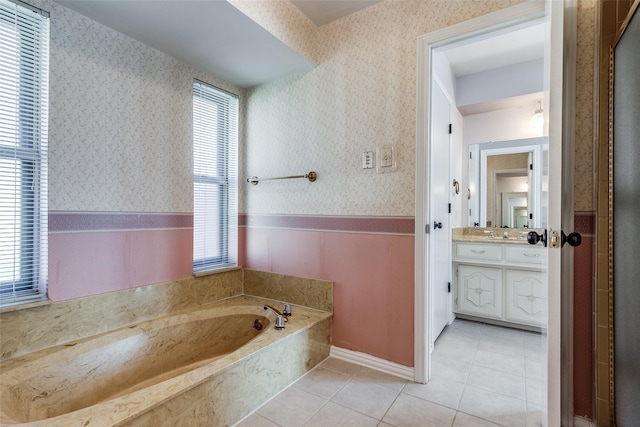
[(204, 366)]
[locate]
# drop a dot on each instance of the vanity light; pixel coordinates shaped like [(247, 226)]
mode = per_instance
[(537, 121)]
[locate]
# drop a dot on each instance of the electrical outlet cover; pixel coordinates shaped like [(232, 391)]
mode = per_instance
[(386, 159)]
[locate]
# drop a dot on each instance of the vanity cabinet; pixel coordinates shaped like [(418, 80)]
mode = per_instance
[(500, 281)]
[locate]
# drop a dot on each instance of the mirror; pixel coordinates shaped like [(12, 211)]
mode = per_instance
[(505, 185)]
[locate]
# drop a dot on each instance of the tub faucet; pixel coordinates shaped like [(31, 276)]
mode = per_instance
[(280, 319), (490, 233)]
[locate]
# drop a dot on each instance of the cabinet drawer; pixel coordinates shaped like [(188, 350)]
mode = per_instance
[(525, 254), (482, 252)]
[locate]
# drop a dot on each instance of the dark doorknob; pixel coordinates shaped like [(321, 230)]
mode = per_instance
[(533, 238), (437, 225), (573, 239)]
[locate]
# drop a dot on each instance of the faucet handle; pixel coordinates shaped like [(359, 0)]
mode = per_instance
[(286, 311), (280, 321)]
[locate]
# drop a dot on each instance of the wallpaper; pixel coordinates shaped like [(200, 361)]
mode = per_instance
[(285, 21), (120, 120), (584, 137), (361, 96)]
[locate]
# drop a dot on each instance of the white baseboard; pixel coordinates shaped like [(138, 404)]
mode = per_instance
[(582, 422), (372, 362)]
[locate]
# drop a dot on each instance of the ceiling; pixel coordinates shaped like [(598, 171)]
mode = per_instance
[(209, 34), (324, 11), (496, 50), (212, 34), (215, 36)]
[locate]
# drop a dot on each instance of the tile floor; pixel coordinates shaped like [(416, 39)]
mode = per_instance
[(483, 376)]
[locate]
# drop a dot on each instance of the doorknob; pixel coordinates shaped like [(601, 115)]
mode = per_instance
[(437, 225), (556, 239), (573, 239), (533, 238)]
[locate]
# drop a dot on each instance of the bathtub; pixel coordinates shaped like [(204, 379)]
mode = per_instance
[(210, 366)]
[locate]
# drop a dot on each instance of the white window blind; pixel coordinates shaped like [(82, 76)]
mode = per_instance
[(24, 70), (215, 178)]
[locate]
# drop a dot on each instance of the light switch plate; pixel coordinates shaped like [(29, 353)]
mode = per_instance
[(386, 159), (367, 160)]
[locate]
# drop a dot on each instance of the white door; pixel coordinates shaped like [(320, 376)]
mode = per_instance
[(440, 225), (557, 89)]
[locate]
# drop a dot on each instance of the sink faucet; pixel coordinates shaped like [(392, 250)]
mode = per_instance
[(490, 233), (280, 319)]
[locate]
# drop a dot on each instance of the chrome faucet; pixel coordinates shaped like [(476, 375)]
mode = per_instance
[(280, 319), (490, 233)]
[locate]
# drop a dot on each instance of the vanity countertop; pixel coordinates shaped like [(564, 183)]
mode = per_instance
[(515, 236)]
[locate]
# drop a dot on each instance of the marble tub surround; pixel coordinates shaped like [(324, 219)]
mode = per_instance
[(194, 383), (483, 234), (31, 329), (312, 293)]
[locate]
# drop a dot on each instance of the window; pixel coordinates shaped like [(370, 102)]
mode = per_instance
[(215, 178), (24, 69)]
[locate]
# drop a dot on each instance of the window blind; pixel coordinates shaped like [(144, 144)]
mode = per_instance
[(215, 178), (24, 69)]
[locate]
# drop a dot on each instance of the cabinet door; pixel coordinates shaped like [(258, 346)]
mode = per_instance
[(479, 291), (526, 297)]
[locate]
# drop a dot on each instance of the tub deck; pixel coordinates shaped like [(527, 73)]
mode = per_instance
[(160, 361)]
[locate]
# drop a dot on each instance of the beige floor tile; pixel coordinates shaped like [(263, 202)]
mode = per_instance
[(466, 420), (451, 369), (510, 364), (494, 407), (322, 382), (291, 408), (535, 391), (466, 326), (505, 346), (535, 415), (497, 382), (409, 411), (255, 420), (442, 391), (341, 366), (534, 369), (381, 378), (335, 415), (370, 399), (511, 334)]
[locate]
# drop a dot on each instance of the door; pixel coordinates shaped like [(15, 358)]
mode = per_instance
[(440, 236), (559, 86), (626, 206)]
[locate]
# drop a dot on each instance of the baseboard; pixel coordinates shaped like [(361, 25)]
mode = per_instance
[(582, 422), (372, 362)]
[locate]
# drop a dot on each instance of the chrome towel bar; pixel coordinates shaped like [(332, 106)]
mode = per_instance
[(311, 176)]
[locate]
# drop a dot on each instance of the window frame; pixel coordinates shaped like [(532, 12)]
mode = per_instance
[(225, 180), (27, 149)]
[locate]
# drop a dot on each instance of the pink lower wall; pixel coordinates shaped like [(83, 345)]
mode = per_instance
[(373, 281), (89, 255)]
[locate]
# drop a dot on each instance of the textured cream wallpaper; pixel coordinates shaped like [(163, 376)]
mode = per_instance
[(286, 22), (584, 139), (120, 120), (362, 94)]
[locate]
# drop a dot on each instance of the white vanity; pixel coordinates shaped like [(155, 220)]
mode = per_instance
[(500, 280)]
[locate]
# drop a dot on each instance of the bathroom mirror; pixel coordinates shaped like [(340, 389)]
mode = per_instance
[(505, 183)]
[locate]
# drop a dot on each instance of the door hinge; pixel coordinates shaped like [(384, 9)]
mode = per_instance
[(530, 216), (450, 128), (449, 207), (426, 229), (530, 166), (449, 287)]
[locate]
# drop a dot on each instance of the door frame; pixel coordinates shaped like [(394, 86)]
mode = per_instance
[(560, 396)]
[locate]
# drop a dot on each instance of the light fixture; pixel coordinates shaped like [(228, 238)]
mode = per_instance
[(537, 121)]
